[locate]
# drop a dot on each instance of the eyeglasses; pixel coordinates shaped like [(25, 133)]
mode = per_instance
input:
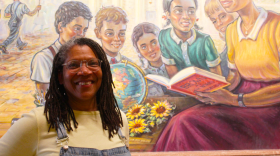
[(74, 65)]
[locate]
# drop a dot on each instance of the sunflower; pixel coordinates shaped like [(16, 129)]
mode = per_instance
[(161, 109), (135, 111), (152, 124), (137, 126)]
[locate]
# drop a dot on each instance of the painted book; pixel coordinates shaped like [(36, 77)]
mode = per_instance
[(190, 80)]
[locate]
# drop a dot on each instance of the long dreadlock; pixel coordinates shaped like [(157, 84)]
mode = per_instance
[(57, 108)]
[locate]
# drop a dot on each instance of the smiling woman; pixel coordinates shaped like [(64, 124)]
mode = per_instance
[(80, 109)]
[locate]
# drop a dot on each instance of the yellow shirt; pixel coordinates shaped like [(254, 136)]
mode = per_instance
[(29, 135), (256, 56)]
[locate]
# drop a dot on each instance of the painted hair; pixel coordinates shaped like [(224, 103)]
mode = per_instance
[(139, 31), (69, 11), (211, 6), (166, 8), (109, 14), (57, 108)]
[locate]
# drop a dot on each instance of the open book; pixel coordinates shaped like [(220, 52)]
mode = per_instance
[(191, 79)]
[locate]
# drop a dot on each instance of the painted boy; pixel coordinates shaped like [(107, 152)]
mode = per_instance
[(15, 12), (71, 19), (110, 29), (220, 19)]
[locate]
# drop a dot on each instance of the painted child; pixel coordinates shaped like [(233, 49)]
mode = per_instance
[(183, 46), (220, 19), (145, 40), (110, 29)]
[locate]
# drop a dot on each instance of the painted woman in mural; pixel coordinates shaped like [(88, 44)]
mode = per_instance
[(71, 19), (111, 24), (220, 19), (183, 46), (247, 115)]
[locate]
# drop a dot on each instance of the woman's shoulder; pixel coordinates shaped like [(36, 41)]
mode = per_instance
[(36, 114)]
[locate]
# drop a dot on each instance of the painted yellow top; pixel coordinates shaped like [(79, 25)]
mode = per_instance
[(256, 56)]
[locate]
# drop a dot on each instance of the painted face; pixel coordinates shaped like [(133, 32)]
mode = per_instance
[(221, 19), (84, 84), (234, 5), (77, 27), (182, 15), (149, 47), (112, 37)]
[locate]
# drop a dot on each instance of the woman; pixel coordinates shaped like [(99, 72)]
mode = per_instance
[(248, 116), (182, 46), (81, 114)]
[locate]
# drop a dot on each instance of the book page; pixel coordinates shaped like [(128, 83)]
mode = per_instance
[(158, 79), (182, 75)]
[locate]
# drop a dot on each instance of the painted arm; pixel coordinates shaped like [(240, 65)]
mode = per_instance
[(32, 13), (217, 69), (42, 89), (265, 96), (171, 70)]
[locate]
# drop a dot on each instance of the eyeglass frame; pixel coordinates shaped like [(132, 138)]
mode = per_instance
[(81, 63)]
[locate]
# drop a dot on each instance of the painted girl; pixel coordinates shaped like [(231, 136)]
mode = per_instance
[(145, 40), (183, 46), (247, 116)]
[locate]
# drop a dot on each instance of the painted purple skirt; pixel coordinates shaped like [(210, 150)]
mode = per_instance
[(222, 127)]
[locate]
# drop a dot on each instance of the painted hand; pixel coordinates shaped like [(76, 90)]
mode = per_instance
[(221, 96)]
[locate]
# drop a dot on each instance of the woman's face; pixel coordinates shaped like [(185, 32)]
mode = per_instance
[(182, 14), (149, 47), (234, 5), (221, 19), (84, 84)]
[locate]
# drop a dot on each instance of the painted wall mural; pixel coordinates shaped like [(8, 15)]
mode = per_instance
[(212, 66)]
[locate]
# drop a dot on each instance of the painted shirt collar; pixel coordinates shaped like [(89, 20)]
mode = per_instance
[(161, 68), (178, 40), (57, 45), (255, 31), (118, 57)]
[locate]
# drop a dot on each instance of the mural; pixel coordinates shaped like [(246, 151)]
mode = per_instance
[(228, 41)]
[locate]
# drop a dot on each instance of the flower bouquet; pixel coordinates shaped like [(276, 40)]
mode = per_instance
[(142, 118)]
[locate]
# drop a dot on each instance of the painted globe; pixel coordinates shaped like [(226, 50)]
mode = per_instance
[(130, 84)]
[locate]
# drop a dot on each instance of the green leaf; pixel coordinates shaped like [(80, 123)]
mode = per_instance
[(159, 121), (147, 130), (132, 134)]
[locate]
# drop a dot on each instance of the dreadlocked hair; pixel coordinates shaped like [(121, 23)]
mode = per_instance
[(57, 109)]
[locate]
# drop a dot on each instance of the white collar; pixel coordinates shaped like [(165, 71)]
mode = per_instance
[(255, 31), (178, 40), (118, 57), (162, 67)]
